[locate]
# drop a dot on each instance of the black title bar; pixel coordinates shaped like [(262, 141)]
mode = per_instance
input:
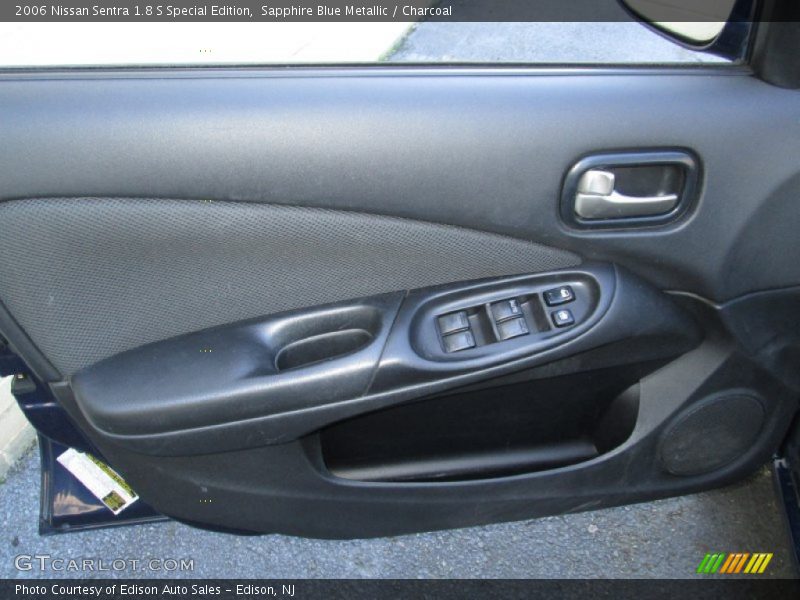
[(231, 589)]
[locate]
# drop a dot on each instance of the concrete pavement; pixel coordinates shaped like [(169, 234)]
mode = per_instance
[(544, 43), (613, 38), (16, 434)]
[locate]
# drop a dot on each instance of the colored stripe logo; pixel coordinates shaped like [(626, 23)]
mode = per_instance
[(735, 562)]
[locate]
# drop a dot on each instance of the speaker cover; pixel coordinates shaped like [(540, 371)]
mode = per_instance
[(711, 433)]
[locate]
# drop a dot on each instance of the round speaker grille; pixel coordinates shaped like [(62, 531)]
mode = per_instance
[(711, 433)]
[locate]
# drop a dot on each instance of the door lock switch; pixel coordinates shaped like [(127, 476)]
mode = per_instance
[(560, 295), (506, 309), (455, 342), (512, 328), (453, 322), (562, 318)]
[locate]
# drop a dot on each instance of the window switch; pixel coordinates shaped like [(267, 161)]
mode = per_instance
[(507, 309), (562, 318), (453, 322), (560, 295), (455, 342), (512, 328)]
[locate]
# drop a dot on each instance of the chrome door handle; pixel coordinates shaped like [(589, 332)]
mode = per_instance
[(596, 198)]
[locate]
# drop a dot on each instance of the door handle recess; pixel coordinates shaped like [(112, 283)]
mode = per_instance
[(596, 198)]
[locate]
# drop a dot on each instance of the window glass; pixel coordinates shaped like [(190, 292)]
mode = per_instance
[(38, 38)]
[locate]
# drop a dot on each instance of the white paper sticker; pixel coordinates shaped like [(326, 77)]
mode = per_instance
[(103, 481)]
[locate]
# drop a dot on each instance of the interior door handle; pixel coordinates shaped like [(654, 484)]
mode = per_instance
[(596, 198)]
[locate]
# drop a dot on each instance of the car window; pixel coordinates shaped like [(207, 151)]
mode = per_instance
[(38, 36)]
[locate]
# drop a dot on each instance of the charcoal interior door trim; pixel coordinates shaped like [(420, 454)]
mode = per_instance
[(607, 372), (87, 278), (396, 142), (241, 372), (287, 488), (236, 395)]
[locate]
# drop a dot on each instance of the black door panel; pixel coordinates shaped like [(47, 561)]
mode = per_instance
[(350, 302), (484, 150), (227, 389), (409, 479), (134, 271)]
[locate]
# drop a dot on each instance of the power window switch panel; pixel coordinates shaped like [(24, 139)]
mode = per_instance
[(562, 318), (560, 295), (456, 321), (461, 340), (512, 328), (507, 309)]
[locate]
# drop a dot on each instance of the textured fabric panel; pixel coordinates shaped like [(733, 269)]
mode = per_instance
[(89, 277)]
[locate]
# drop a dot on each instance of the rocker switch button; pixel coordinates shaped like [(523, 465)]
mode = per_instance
[(512, 328), (560, 295), (458, 341), (562, 318), (507, 309), (453, 322)]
